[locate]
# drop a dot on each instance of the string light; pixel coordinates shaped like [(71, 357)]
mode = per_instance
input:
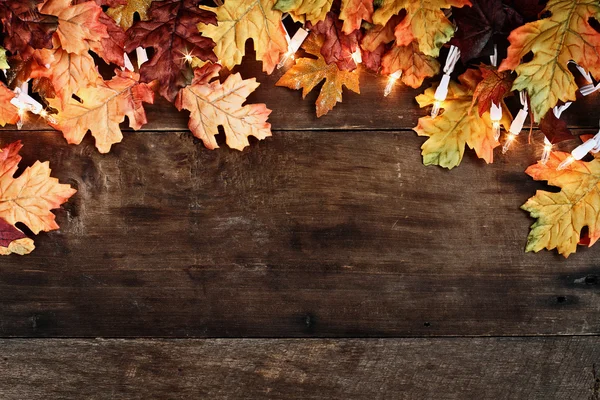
[(391, 81), (357, 56), (127, 63), (142, 56), (496, 110), (442, 90), (517, 125), (592, 145), (293, 45), (546, 152), (26, 103)]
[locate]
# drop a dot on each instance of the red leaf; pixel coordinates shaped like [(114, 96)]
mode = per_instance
[(338, 46), (555, 129)]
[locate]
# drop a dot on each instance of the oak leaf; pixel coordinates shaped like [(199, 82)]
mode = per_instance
[(102, 109), (308, 73), (563, 36), (353, 12), (124, 14), (310, 10), (212, 104), (415, 66), (172, 32), (561, 216), (240, 20), (425, 22), (457, 126), (27, 199), (494, 86)]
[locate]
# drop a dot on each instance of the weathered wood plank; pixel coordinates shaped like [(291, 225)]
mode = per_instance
[(367, 110), (329, 234), (460, 368)]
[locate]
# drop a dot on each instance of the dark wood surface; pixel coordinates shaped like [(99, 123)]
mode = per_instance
[(333, 229)]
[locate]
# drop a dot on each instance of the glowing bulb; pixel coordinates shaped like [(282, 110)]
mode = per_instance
[(44, 114), (437, 105), (391, 81), (565, 164), (188, 58), (287, 56), (509, 139), (356, 56), (496, 129), (441, 92), (546, 152), (21, 120)]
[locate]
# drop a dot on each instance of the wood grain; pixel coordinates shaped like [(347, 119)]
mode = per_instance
[(441, 369), (335, 234)]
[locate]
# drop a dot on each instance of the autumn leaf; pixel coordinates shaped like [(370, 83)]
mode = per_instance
[(25, 27), (372, 59), (308, 73), (456, 127), (68, 72), (337, 47), (27, 199), (482, 25), (240, 20), (171, 31), (9, 114), (102, 109), (415, 66), (311, 10), (425, 22), (212, 104), (555, 129), (353, 12), (561, 216), (78, 24), (563, 36), (3, 60), (380, 34), (493, 87), (124, 14)]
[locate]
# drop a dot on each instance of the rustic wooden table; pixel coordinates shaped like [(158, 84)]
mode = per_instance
[(325, 262)]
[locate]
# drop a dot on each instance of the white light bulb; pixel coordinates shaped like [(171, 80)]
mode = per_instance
[(391, 81)]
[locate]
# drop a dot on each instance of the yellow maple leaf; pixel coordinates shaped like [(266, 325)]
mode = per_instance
[(563, 36), (212, 104), (425, 22), (102, 109), (27, 199), (124, 14), (240, 20), (415, 66), (561, 216), (457, 126), (308, 73), (309, 10)]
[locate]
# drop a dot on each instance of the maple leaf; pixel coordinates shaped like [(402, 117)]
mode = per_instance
[(528, 9), (102, 109), (425, 22), (25, 27), (312, 10), (380, 34), (479, 26), (78, 24), (353, 12), (493, 87), (372, 59), (563, 36), (27, 199), (9, 114), (415, 66), (124, 14), (171, 31), (337, 47), (457, 126), (561, 216), (212, 104), (308, 73), (555, 129), (240, 20), (68, 72)]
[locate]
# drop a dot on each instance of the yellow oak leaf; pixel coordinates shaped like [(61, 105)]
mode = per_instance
[(457, 126), (353, 12), (555, 40), (27, 199), (311, 10), (561, 216), (79, 27), (415, 66), (102, 109), (124, 14), (9, 114), (309, 72), (424, 22), (240, 20), (214, 104), (68, 72)]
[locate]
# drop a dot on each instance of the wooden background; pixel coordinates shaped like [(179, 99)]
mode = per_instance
[(324, 262)]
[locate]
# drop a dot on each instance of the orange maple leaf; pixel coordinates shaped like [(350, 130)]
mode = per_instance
[(28, 199), (9, 114), (102, 109), (353, 12), (214, 104)]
